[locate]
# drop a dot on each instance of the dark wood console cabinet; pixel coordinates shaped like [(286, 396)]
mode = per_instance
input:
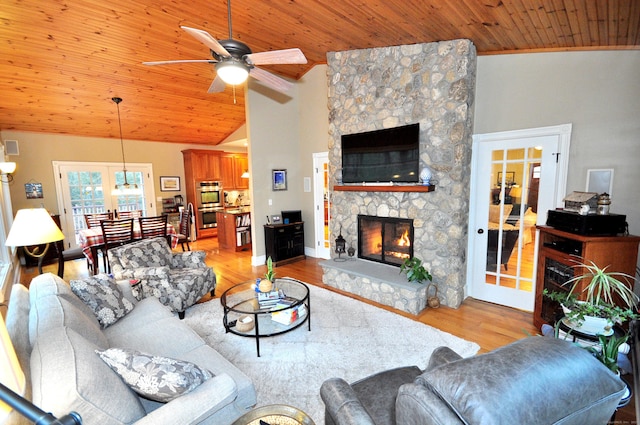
[(558, 254), (284, 243)]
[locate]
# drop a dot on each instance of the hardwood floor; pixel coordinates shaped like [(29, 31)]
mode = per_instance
[(489, 325)]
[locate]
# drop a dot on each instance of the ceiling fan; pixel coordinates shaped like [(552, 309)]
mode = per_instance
[(234, 60)]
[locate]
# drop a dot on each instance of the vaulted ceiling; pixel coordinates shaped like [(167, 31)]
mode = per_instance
[(61, 61)]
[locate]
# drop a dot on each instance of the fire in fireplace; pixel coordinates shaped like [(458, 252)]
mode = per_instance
[(385, 239)]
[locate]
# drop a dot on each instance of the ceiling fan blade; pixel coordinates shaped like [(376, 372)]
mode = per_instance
[(286, 56), (180, 61), (271, 80), (207, 39), (217, 85)]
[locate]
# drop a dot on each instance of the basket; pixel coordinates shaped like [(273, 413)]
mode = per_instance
[(244, 323)]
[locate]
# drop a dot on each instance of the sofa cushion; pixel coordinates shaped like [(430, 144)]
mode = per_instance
[(155, 377), (102, 294), (494, 213), (54, 311), (67, 375), (492, 388)]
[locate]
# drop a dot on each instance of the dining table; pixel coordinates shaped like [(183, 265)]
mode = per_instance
[(91, 240)]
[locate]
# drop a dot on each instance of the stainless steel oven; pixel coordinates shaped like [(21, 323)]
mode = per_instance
[(207, 217), (209, 194)]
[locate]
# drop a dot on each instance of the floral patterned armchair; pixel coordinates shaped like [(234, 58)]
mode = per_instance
[(177, 279)]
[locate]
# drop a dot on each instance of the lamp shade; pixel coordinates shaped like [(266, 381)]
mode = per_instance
[(232, 73), (7, 167), (11, 375), (33, 226)]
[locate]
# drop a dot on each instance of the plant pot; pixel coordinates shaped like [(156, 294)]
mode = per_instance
[(591, 325), (265, 285)]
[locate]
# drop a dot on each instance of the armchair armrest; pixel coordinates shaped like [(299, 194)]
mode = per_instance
[(441, 356), (342, 403), (189, 259)]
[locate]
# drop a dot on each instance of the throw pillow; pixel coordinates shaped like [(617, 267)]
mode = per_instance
[(104, 298), (154, 377)]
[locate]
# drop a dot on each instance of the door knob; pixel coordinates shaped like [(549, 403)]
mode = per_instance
[(480, 231)]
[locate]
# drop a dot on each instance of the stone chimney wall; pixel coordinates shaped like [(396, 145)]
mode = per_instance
[(432, 84)]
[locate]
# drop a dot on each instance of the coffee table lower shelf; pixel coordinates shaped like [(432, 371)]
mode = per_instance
[(275, 414)]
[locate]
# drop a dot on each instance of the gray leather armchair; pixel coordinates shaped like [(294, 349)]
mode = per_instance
[(536, 380)]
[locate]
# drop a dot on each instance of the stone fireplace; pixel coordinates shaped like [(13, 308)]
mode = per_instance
[(432, 84), (385, 240)]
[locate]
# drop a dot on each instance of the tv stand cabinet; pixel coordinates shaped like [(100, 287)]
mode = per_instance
[(558, 254), (284, 243)]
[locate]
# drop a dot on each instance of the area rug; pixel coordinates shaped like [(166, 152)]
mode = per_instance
[(348, 339)]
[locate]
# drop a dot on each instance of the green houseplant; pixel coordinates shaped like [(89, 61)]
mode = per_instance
[(415, 270), (601, 289), (266, 284), (607, 352)]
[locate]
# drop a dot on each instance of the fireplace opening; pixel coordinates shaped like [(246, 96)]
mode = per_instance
[(385, 239)]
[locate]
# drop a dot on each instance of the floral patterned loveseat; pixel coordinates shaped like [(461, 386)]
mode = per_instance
[(177, 279)]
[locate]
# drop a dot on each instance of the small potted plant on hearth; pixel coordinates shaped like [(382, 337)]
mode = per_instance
[(597, 313), (416, 272)]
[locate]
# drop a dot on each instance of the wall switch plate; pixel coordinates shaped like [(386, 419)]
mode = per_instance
[(270, 202)]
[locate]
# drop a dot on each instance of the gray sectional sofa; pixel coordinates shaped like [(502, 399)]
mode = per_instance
[(56, 336)]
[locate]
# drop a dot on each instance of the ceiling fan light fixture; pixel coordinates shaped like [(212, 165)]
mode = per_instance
[(232, 72)]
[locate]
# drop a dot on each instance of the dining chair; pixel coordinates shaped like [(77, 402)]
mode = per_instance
[(93, 220), (129, 214), (184, 231), (115, 233), (153, 227)]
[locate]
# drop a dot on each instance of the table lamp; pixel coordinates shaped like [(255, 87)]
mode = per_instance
[(34, 226)]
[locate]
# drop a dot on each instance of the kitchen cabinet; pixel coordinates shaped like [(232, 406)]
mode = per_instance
[(234, 230), (558, 254), (200, 165), (284, 243), (232, 166)]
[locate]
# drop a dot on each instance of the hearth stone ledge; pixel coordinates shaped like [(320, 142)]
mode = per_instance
[(377, 282)]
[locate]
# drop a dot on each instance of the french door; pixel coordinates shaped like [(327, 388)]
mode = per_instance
[(518, 176), (85, 188)]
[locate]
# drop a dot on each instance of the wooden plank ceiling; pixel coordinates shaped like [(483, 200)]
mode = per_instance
[(62, 60)]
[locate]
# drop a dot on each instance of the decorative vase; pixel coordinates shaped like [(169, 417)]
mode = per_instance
[(425, 176), (265, 285)]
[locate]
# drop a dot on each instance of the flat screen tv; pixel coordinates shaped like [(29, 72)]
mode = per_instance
[(382, 156)]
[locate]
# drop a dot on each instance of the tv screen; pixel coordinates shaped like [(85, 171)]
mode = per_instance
[(388, 155)]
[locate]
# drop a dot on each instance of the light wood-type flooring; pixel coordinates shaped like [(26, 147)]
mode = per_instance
[(489, 325)]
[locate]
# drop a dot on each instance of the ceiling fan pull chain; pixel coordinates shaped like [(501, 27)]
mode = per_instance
[(235, 101)]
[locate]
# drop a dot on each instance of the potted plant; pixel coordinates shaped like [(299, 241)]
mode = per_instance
[(598, 311), (607, 351), (266, 284), (415, 270)]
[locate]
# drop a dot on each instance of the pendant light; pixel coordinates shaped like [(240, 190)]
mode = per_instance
[(125, 188)]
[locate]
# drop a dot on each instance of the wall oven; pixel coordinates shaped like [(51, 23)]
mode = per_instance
[(209, 197), (207, 217), (209, 194)]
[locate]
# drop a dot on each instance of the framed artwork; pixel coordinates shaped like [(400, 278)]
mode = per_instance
[(600, 181), (279, 179), (509, 180), (170, 184), (33, 190)]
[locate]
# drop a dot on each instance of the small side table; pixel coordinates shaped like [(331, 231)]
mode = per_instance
[(275, 414)]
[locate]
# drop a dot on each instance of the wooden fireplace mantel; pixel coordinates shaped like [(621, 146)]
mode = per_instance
[(368, 188)]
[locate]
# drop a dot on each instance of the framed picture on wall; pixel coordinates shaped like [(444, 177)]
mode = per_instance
[(170, 184), (509, 179), (279, 179)]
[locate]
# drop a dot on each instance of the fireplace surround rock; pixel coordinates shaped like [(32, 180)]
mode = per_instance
[(432, 84)]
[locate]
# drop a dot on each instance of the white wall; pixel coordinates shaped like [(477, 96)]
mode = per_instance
[(598, 92)]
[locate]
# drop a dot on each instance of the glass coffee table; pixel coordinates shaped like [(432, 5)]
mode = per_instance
[(259, 315)]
